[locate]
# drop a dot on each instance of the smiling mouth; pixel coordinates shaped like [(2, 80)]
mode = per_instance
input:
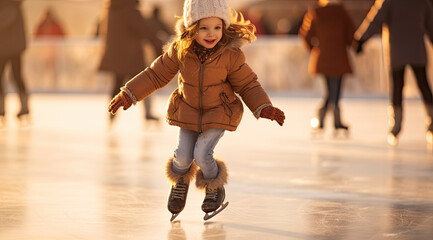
[(209, 41)]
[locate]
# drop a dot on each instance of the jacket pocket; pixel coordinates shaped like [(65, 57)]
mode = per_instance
[(226, 104)]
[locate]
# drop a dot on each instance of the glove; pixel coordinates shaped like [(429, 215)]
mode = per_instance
[(273, 113), (121, 99)]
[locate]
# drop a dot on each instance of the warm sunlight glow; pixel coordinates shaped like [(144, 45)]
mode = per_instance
[(314, 123)]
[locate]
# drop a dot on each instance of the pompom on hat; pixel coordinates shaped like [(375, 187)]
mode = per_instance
[(194, 10)]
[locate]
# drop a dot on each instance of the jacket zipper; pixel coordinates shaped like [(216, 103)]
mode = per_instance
[(200, 99)]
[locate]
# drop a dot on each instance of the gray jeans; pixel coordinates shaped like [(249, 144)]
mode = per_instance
[(197, 146)]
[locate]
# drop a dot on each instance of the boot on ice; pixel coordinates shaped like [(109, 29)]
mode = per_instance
[(179, 187), (215, 192), (338, 125), (395, 119), (318, 122), (429, 121)]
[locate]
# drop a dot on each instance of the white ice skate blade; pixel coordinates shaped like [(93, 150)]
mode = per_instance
[(173, 216), (392, 140), (211, 215)]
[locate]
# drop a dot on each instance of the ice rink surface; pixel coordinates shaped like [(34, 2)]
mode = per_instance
[(70, 176)]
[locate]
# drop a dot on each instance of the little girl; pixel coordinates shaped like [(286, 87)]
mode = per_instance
[(206, 53)]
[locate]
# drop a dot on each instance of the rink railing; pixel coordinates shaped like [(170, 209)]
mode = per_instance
[(281, 63)]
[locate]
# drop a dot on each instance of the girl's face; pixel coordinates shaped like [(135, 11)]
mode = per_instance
[(210, 31)]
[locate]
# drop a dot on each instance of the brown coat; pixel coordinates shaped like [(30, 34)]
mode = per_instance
[(12, 36), (126, 30), (328, 31), (206, 95)]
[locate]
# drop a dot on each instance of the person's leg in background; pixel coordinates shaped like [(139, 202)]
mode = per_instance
[(395, 111), (334, 85), (323, 109), (426, 93), (148, 115), (20, 85), (2, 92)]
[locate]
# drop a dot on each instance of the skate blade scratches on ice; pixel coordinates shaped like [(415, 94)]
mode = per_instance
[(208, 216)]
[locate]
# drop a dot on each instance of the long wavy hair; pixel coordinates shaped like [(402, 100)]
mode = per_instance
[(239, 29)]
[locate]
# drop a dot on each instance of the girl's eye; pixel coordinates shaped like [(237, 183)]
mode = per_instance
[(203, 28), (218, 28)]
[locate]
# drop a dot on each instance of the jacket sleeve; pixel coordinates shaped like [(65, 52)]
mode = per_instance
[(244, 82), (158, 75), (374, 20), (307, 30)]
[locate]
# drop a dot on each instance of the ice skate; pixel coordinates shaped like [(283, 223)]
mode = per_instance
[(213, 202), (392, 140), (317, 131), (340, 130), (215, 192), (317, 123), (179, 188), (429, 122), (429, 138), (177, 198), (24, 118), (395, 119), (24, 115), (2, 112)]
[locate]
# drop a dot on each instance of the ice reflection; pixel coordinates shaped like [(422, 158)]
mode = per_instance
[(213, 231), (176, 231)]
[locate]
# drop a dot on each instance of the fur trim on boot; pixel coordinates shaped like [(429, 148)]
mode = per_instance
[(218, 182), (174, 177)]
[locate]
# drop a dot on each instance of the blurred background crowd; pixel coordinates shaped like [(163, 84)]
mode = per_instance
[(64, 48)]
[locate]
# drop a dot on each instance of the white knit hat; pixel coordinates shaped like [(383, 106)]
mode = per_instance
[(194, 10)]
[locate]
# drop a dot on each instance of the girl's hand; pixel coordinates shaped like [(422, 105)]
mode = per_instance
[(121, 99), (273, 113)]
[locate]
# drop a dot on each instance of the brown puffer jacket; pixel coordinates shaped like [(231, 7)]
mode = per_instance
[(205, 97)]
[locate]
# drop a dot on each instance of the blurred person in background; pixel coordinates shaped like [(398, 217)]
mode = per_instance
[(404, 26), (163, 32), (327, 31), (125, 30), (12, 46), (50, 30), (49, 26)]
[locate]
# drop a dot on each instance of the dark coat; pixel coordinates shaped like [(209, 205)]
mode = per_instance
[(126, 30), (206, 95), (328, 32), (12, 35), (407, 21)]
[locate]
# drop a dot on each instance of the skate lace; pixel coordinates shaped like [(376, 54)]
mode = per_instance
[(211, 195), (179, 191)]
